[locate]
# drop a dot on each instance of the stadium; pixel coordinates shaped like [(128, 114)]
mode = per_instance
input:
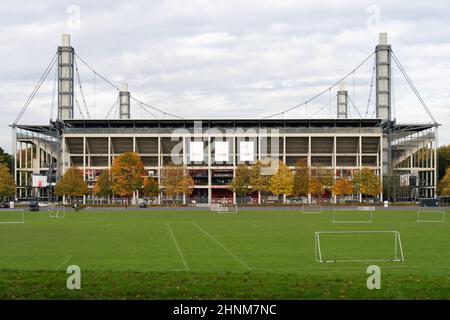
[(212, 148), (213, 245)]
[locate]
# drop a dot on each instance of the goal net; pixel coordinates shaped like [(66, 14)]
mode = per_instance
[(430, 216), (9, 216), (214, 207), (358, 246), (227, 209), (56, 211), (312, 208), (353, 215)]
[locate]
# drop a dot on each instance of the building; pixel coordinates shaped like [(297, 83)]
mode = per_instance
[(404, 155)]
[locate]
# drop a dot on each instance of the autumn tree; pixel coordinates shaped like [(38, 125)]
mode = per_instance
[(7, 184), (301, 178), (320, 182), (176, 181), (282, 182), (72, 184), (258, 180), (126, 174), (366, 182), (150, 187), (187, 184), (103, 186), (241, 181), (343, 187)]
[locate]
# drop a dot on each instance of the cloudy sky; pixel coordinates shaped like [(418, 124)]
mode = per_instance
[(203, 58)]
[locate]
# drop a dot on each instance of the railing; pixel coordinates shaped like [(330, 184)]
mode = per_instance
[(224, 131)]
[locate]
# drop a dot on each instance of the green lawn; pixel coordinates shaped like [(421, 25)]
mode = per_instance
[(195, 255)]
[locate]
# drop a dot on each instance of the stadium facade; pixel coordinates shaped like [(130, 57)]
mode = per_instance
[(402, 154)]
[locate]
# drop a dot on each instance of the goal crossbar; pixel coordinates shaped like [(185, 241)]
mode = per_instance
[(312, 208), (398, 247), (227, 209), (439, 213)]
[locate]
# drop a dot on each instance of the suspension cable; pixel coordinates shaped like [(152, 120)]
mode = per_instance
[(36, 88), (79, 107), (55, 80), (324, 106), (354, 107), (143, 104), (372, 80), (322, 92), (81, 88), (112, 107), (413, 87)]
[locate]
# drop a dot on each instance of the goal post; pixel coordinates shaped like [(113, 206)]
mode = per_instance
[(430, 216), (56, 211), (312, 208), (214, 207), (12, 216), (358, 246), (230, 208), (353, 215)]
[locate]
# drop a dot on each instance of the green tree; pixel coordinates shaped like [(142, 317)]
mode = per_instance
[(150, 187), (367, 182), (6, 159), (443, 153), (241, 181), (126, 174), (259, 181), (103, 186), (282, 182), (320, 182), (72, 184), (7, 184), (301, 178), (175, 181)]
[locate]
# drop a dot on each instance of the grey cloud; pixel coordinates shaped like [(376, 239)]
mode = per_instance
[(222, 58)]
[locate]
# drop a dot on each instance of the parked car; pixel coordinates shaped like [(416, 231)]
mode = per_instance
[(4, 205), (143, 204), (34, 206)]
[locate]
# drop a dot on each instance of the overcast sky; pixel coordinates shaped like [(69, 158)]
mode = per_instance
[(235, 59)]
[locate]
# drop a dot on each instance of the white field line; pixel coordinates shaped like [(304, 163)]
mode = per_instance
[(63, 263), (223, 246), (178, 248)]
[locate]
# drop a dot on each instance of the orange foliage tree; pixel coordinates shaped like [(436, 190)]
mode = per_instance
[(343, 187), (72, 184), (126, 174)]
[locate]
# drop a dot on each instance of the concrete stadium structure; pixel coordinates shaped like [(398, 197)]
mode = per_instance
[(402, 154)]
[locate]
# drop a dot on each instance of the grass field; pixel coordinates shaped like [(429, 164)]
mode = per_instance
[(198, 254)]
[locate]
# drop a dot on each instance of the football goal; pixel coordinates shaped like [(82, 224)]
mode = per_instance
[(430, 216), (10, 216), (312, 208), (358, 246), (353, 215), (56, 211), (229, 208)]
